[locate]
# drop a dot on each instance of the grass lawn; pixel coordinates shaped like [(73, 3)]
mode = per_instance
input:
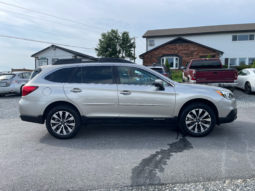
[(177, 79)]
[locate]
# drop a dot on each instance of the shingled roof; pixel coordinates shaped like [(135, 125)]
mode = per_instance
[(67, 50), (200, 30)]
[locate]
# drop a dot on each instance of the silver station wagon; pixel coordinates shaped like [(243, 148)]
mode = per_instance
[(13, 82), (67, 96)]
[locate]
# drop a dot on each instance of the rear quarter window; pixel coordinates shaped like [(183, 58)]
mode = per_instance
[(203, 64), (60, 76)]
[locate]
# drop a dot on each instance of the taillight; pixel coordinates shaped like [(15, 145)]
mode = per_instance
[(28, 89), (193, 77), (165, 75), (236, 75)]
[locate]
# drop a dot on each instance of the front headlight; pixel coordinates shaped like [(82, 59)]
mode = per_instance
[(228, 95)]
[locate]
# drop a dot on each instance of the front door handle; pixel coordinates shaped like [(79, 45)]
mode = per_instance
[(76, 90), (125, 92)]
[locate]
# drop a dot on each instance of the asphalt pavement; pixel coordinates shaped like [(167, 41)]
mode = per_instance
[(110, 156)]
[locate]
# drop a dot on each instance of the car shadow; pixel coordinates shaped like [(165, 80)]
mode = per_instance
[(126, 136)]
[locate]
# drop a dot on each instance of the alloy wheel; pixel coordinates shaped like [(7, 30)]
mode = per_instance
[(198, 120), (62, 122)]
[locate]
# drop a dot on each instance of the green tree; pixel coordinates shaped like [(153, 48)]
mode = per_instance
[(253, 64), (209, 56), (115, 45), (168, 67)]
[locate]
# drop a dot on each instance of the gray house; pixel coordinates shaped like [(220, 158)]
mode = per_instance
[(52, 53)]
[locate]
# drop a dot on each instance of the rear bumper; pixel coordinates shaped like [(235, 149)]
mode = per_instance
[(230, 117), (33, 119), (10, 89)]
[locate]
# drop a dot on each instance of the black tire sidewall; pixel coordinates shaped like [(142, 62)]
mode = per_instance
[(248, 92), (69, 109), (185, 112)]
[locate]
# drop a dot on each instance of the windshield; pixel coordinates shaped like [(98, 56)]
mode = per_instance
[(159, 70), (35, 72), (6, 76), (199, 64)]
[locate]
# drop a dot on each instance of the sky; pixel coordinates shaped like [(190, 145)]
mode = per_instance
[(97, 16)]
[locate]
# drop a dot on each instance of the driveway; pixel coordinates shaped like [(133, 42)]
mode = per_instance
[(108, 156)]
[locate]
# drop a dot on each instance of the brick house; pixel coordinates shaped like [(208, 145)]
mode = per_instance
[(237, 41), (178, 52)]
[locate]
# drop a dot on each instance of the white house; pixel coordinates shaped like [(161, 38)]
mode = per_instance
[(52, 53), (235, 41)]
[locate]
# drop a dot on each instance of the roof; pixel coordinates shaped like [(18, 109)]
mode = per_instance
[(180, 40), (67, 50), (200, 30)]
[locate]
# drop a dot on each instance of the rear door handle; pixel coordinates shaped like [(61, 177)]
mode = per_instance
[(76, 90), (125, 92)]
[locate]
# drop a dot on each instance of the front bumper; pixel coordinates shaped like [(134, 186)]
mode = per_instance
[(33, 119), (229, 118)]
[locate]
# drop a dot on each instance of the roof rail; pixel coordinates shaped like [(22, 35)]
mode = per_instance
[(75, 61)]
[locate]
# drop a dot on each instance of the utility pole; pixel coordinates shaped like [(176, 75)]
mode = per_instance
[(134, 47)]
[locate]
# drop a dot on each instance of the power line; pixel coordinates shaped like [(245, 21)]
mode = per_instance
[(43, 42), (48, 20), (45, 32), (50, 15)]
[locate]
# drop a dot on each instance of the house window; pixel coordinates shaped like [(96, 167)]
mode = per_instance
[(162, 61), (251, 60), (243, 37), (53, 60), (173, 62), (232, 61), (151, 42), (242, 61), (42, 62)]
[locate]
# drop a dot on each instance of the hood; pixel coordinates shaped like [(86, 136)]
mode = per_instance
[(206, 87)]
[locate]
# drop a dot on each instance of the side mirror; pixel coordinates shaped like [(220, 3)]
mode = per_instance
[(182, 68), (159, 83)]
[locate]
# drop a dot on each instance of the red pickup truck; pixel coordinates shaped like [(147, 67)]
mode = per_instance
[(209, 71)]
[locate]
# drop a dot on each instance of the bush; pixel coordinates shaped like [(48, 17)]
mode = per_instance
[(253, 65), (176, 74), (209, 56), (239, 68), (225, 66)]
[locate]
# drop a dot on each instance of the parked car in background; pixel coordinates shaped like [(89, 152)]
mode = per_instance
[(159, 69), (13, 82), (209, 71), (67, 96), (246, 80)]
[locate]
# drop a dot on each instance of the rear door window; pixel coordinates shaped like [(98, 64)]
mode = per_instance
[(97, 74), (76, 77), (203, 64), (60, 76), (26, 75), (35, 72)]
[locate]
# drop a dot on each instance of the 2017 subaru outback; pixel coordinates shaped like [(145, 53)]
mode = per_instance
[(67, 96)]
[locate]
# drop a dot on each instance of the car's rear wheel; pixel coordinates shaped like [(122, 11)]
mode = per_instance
[(2, 95), (63, 122), (20, 92), (247, 88), (197, 119)]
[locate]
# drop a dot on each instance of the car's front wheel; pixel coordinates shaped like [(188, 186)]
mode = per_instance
[(63, 122), (197, 119)]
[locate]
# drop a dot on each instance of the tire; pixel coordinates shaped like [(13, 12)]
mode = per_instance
[(20, 93), (60, 129), (2, 95), (198, 128), (247, 88)]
